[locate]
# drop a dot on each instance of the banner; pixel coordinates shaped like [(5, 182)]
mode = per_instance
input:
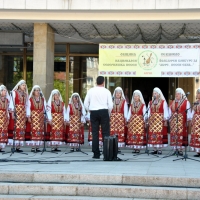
[(152, 60)]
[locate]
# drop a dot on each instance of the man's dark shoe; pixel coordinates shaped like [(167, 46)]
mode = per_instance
[(96, 157)]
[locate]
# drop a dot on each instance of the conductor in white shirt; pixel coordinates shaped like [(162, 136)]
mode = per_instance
[(98, 102)]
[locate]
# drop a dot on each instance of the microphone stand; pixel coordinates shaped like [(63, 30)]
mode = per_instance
[(13, 149), (176, 112), (45, 133), (185, 156), (147, 133), (79, 146)]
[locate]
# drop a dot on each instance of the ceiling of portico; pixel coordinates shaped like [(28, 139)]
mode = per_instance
[(114, 32)]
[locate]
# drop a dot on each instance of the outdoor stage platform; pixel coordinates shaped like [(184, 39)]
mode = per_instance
[(78, 176)]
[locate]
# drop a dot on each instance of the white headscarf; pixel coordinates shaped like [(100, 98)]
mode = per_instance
[(80, 101), (181, 91), (36, 87), (3, 87), (156, 89), (137, 92), (51, 98), (20, 83), (118, 89), (11, 107)]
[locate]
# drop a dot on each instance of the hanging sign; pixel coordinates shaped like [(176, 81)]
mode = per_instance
[(139, 60)]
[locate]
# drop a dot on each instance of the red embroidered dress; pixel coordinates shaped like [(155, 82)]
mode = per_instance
[(36, 128), (75, 133), (157, 131), (136, 135), (195, 129), (57, 123), (117, 121), (20, 106), (178, 130), (4, 121)]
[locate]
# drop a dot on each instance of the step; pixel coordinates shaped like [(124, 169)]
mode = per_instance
[(118, 191), (108, 179), (32, 197)]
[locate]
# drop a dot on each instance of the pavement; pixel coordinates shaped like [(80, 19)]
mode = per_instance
[(135, 176), (77, 162)]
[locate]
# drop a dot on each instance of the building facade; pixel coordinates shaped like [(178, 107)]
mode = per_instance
[(59, 41)]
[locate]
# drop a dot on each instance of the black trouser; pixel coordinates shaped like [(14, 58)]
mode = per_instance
[(99, 117)]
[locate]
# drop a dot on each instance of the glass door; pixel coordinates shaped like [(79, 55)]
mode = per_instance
[(83, 72)]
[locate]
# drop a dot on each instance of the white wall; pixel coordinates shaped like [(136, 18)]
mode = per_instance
[(99, 4)]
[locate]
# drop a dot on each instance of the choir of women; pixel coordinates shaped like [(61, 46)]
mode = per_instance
[(23, 118)]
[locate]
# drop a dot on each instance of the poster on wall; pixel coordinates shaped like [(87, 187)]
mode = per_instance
[(149, 60)]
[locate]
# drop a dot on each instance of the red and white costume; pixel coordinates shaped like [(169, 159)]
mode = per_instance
[(56, 114), (4, 117), (75, 117), (178, 121), (195, 127), (158, 115), (118, 117), (18, 103), (35, 110), (136, 136)]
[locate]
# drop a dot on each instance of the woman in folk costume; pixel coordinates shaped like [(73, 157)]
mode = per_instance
[(136, 136), (195, 127), (4, 116), (35, 114), (178, 120), (90, 132), (158, 115), (75, 121), (18, 103), (56, 119), (118, 116)]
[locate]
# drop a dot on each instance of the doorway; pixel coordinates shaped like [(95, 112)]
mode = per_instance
[(146, 86)]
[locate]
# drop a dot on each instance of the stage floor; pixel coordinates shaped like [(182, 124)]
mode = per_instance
[(77, 176)]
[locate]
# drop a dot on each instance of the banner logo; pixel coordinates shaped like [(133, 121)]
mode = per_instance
[(147, 60)]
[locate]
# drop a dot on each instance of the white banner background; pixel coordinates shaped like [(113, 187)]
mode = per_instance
[(161, 60)]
